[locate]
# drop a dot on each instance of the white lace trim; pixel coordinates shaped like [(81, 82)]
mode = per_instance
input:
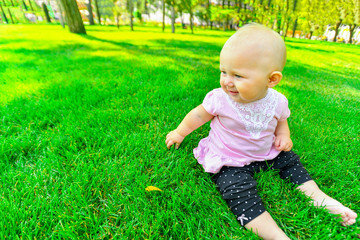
[(256, 115)]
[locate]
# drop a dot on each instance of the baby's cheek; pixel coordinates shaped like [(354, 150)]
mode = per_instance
[(222, 84), (244, 88)]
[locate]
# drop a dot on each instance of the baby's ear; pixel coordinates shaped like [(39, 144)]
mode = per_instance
[(274, 78)]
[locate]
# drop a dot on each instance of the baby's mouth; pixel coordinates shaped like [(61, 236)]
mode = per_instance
[(233, 92)]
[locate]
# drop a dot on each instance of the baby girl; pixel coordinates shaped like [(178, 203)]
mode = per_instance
[(249, 131)]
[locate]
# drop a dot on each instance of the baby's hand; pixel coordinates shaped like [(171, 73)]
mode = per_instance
[(283, 143), (173, 138)]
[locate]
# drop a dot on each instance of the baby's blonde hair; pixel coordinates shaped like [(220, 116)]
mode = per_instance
[(263, 38)]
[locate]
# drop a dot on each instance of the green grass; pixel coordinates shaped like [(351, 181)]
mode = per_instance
[(83, 121)]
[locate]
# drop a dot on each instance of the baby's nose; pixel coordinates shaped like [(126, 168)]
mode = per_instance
[(229, 81)]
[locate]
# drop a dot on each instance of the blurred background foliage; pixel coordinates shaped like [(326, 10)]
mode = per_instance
[(332, 20)]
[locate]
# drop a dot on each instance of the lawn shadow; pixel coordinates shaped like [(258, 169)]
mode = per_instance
[(174, 50), (320, 46), (315, 77), (120, 44), (102, 28), (165, 45), (304, 48)]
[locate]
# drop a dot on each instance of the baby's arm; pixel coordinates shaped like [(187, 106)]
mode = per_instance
[(194, 119), (282, 136)]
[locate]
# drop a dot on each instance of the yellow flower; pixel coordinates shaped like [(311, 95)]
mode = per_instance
[(152, 188)]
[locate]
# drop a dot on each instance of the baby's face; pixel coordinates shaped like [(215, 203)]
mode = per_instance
[(244, 75)]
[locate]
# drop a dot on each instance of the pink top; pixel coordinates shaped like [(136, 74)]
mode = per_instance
[(240, 133)]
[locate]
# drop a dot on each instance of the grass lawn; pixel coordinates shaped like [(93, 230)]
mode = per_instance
[(83, 121)]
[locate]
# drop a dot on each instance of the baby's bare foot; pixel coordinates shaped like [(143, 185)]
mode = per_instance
[(347, 215)]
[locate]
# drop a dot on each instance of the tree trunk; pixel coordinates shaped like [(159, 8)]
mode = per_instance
[(191, 21), (337, 29), (10, 15), (22, 10), (172, 19), (208, 13), (73, 17), (31, 5), (62, 22), (46, 11), (182, 20), (294, 6), (4, 16), (163, 15), (131, 9), (117, 19), (227, 22), (286, 29), (294, 28), (146, 10), (90, 16), (24, 4), (351, 31), (131, 21), (98, 11)]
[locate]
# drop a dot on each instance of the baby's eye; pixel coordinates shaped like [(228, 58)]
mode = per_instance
[(223, 72), (238, 76)]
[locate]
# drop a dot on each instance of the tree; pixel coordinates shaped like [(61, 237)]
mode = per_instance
[(73, 17), (10, 15), (106, 8), (163, 14), (356, 21), (352, 19), (117, 10), (31, 7), (3, 14), (46, 12), (315, 15), (173, 4), (172, 17), (62, 22), (296, 17), (130, 7), (90, 16), (97, 11), (130, 4), (340, 14), (285, 18), (189, 6), (127, 8)]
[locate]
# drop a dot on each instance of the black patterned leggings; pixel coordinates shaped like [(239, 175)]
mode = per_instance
[(238, 187)]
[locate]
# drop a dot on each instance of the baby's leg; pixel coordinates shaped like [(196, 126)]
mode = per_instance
[(265, 227), (290, 167), (320, 199), (238, 189)]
